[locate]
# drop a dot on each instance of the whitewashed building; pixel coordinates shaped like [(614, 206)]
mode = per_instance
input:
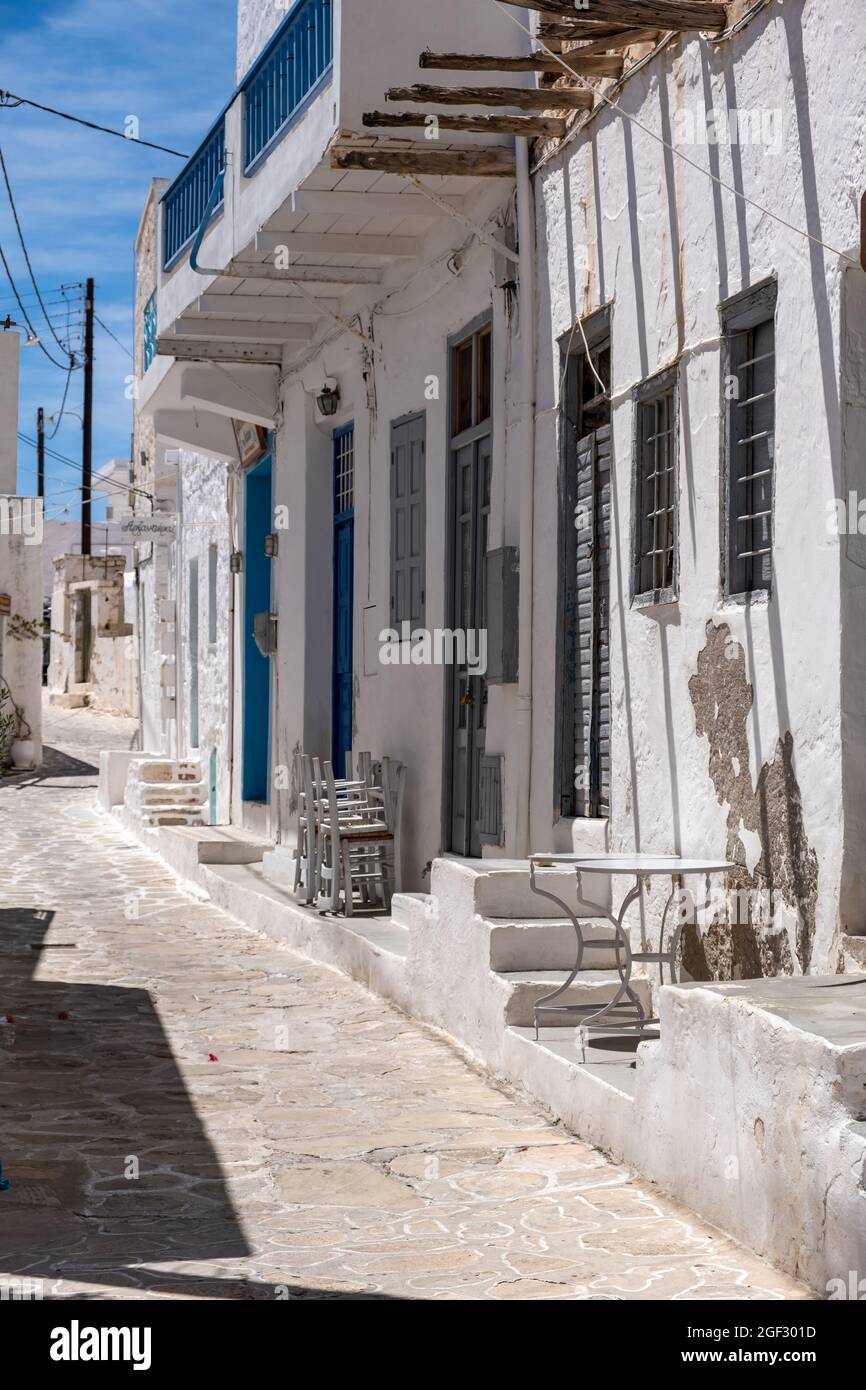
[(591, 398), (21, 530), (432, 341)]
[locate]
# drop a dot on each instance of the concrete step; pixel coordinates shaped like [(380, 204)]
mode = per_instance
[(590, 987), (502, 888), (410, 909), (225, 844), (546, 944)]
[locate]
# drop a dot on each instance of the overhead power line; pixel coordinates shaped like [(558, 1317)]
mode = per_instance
[(71, 463), (63, 346), (107, 330), (10, 99)]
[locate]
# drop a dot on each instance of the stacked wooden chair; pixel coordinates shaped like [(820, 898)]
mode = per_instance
[(348, 833)]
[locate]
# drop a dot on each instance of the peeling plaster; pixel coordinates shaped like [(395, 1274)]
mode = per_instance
[(766, 837)]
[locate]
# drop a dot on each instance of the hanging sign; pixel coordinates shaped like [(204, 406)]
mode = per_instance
[(252, 442), (161, 527), (5, 605)]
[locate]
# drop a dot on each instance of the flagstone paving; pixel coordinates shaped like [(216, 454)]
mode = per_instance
[(188, 1110)]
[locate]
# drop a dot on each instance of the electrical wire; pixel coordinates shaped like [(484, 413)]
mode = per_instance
[(11, 100), (63, 366), (99, 486), (63, 346), (107, 330)]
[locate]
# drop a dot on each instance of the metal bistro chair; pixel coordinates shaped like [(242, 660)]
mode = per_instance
[(355, 842), (306, 860)]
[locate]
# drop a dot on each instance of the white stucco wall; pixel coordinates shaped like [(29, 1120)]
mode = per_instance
[(21, 654), (664, 246), (205, 523)]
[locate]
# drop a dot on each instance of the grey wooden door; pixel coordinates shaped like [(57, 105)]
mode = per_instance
[(471, 510)]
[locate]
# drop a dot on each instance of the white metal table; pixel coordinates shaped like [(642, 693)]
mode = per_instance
[(624, 1012)]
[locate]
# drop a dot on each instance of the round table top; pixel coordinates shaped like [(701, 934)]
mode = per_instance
[(640, 864)]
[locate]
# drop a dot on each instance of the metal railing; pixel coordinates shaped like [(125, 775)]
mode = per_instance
[(185, 201), (289, 69), (149, 331)]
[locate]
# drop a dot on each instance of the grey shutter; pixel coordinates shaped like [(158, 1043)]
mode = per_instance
[(490, 824), (408, 464), (592, 656)]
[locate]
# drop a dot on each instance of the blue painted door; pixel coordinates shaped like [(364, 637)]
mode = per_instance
[(255, 776), (344, 556)]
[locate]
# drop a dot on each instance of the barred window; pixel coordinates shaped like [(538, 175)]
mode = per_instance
[(655, 491), (748, 325)]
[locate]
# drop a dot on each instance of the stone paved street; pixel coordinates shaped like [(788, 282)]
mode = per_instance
[(189, 1111)]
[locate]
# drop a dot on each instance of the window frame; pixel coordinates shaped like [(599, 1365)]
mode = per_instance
[(744, 312), (646, 393)]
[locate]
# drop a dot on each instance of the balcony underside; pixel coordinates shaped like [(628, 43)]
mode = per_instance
[(319, 257)]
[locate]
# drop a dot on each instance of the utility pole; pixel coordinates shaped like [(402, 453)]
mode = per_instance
[(87, 431), (40, 452)]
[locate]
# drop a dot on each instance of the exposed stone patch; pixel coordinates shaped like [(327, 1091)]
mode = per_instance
[(768, 817)]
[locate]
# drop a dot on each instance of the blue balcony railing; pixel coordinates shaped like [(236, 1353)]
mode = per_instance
[(286, 74), (185, 201), (149, 331)]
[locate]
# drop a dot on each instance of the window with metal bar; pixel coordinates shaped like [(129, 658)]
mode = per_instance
[(344, 471), (655, 521), (748, 325)]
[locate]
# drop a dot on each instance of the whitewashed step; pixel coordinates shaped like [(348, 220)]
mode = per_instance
[(590, 987), (547, 944), (410, 909)]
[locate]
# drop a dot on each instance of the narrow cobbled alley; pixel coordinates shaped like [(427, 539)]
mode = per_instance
[(188, 1110)]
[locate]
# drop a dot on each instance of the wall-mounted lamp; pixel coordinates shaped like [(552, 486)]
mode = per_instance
[(328, 398)]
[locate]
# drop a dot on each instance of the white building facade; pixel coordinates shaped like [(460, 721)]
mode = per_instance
[(507, 405)]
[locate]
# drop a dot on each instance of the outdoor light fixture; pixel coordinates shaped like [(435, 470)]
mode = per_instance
[(328, 398)]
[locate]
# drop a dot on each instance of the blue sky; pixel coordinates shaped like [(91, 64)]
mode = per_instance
[(79, 193)]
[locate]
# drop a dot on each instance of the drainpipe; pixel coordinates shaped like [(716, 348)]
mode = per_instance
[(526, 437)]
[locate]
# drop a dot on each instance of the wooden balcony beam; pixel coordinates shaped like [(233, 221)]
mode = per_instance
[(327, 275), (590, 65), (708, 15), (531, 99), (473, 162), (531, 126)]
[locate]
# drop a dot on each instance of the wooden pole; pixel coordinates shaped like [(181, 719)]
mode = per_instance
[(665, 14), (564, 98), (530, 126), (40, 452), (87, 430), (475, 162), (591, 65)]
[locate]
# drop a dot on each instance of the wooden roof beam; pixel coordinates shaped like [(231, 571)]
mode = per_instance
[(708, 15), (621, 38), (531, 99), (591, 65), (532, 126), (477, 161)]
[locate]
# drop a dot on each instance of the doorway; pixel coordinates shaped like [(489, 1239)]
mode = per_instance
[(471, 455), (342, 694), (255, 779)]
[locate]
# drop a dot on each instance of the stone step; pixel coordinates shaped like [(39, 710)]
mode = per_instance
[(410, 909), (546, 944), (168, 794), (590, 987), (502, 887)]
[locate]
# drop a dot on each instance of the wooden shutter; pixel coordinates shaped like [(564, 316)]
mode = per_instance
[(592, 654), (408, 464)]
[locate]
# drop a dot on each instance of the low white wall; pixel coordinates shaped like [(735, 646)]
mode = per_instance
[(21, 660)]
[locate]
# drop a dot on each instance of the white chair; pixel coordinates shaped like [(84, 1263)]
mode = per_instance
[(355, 843)]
